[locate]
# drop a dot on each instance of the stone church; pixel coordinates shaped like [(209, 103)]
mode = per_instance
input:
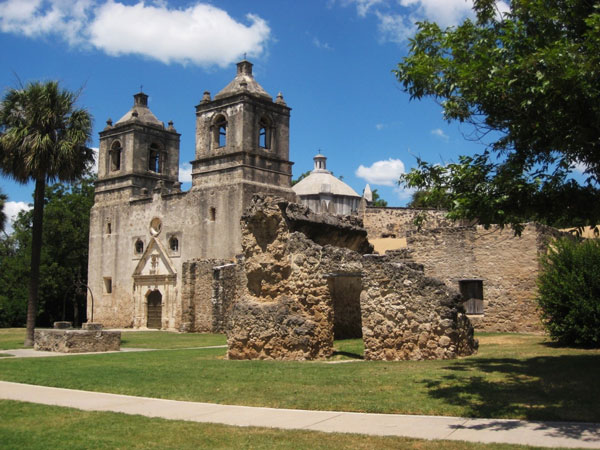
[(143, 227), (163, 258)]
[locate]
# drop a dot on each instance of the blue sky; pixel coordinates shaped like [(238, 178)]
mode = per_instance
[(331, 59)]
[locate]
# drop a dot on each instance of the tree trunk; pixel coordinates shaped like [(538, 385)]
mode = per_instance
[(36, 250)]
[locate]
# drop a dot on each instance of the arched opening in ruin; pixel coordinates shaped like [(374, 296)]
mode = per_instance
[(345, 289), (154, 317)]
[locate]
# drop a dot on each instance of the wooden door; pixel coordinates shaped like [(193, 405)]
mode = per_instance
[(154, 310)]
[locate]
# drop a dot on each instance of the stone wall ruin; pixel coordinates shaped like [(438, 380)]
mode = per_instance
[(302, 269)]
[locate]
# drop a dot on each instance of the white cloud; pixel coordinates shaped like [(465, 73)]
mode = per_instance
[(94, 168), (380, 126), (200, 34), (579, 167), (35, 18), (12, 209), (397, 18), (443, 12), (395, 27), (384, 173), (502, 7), (440, 133), (185, 173), (322, 45), (362, 6)]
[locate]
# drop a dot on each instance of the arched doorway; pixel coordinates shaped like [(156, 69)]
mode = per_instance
[(154, 310)]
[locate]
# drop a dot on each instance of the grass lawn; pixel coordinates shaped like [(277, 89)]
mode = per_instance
[(26, 425), (512, 376), (11, 338), (163, 339)]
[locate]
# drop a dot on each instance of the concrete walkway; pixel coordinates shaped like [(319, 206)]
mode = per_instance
[(546, 434), (31, 353)]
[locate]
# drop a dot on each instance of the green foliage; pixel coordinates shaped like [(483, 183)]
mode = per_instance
[(569, 292), (528, 83), (437, 199), (63, 259), (377, 200), (43, 137), (301, 177), (3, 199)]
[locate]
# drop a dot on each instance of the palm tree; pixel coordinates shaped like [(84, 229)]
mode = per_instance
[(3, 199), (43, 138)]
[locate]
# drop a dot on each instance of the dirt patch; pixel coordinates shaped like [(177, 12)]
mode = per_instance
[(381, 245)]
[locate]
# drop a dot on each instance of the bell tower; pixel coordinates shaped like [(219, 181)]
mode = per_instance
[(137, 154), (242, 138)]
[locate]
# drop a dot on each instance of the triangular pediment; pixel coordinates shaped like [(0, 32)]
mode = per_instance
[(154, 261)]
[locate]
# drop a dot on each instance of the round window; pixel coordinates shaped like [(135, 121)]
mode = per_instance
[(155, 226)]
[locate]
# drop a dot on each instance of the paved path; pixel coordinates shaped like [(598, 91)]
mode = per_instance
[(547, 434), (31, 353)]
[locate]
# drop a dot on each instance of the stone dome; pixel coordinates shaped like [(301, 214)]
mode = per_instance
[(243, 82), (322, 180), (140, 112), (321, 191)]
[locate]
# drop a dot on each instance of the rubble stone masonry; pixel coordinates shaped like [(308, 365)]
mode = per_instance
[(296, 286)]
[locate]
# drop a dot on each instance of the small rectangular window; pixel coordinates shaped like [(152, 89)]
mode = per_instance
[(213, 214), (108, 228), (108, 285), (472, 293)]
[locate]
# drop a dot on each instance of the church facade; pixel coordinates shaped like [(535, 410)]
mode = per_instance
[(143, 228)]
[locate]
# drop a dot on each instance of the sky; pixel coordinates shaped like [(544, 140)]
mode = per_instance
[(331, 59)]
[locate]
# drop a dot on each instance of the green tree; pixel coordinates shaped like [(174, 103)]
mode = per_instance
[(43, 138), (63, 261), (425, 199), (569, 292), (3, 199), (377, 200), (527, 82)]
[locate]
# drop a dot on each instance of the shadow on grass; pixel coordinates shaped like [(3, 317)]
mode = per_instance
[(348, 354), (563, 388)]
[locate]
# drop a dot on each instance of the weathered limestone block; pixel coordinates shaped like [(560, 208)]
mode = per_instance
[(406, 315), (76, 341), (279, 330)]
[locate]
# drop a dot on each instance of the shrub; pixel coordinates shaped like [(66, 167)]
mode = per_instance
[(569, 292)]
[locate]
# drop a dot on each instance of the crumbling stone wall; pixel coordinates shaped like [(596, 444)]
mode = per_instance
[(286, 309), (507, 264), (398, 222), (406, 315), (209, 287)]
